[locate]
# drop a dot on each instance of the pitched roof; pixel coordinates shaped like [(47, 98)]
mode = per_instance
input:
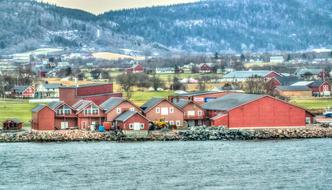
[(111, 103), (151, 103), (196, 93), (230, 101), (247, 74), (293, 88), (19, 89), (181, 103), (287, 80), (302, 83), (38, 108), (81, 104), (317, 83), (15, 120), (54, 105), (126, 115), (303, 71)]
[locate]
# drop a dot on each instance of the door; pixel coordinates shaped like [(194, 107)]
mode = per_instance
[(64, 125)]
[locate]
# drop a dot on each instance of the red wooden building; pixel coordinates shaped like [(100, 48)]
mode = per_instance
[(157, 109), (320, 88), (255, 111), (98, 93), (12, 124), (138, 68), (43, 118), (194, 114), (205, 68), (131, 121), (115, 106), (65, 116), (23, 92), (89, 114)]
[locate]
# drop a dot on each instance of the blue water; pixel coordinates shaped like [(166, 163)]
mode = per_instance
[(295, 164)]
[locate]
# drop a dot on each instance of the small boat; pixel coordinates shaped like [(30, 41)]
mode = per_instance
[(328, 113)]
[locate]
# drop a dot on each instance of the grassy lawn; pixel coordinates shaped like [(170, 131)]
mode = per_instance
[(140, 98), (313, 103), (20, 109)]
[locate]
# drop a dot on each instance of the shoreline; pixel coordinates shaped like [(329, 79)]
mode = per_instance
[(193, 134)]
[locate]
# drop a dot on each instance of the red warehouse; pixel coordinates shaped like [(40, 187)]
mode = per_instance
[(43, 118), (98, 93), (131, 121), (115, 106), (194, 114), (158, 109), (255, 111)]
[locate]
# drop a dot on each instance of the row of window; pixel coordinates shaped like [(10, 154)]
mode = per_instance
[(193, 113), (177, 123), (164, 110), (119, 110)]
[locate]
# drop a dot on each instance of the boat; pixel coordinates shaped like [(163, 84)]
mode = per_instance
[(328, 113)]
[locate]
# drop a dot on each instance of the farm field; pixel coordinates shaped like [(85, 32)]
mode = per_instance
[(313, 103), (20, 109)]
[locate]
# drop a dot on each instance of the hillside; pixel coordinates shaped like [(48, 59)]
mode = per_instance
[(27, 25), (215, 25), (207, 26)]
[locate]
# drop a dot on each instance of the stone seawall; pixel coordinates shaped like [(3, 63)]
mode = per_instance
[(193, 134)]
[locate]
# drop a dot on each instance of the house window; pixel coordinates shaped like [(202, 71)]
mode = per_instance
[(200, 113), (131, 126), (118, 110), (191, 113), (64, 111), (142, 125), (178, 123), (93, 110), (171, 110), (171, 122), (164, 111), (132, 109), (157, 110)]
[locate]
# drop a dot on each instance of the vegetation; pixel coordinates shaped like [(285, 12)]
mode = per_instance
[(20, 109), (313, 103)]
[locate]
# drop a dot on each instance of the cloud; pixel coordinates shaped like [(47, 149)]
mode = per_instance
[(100, 6)]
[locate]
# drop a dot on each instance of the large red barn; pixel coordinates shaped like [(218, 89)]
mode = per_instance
[(255, 111)]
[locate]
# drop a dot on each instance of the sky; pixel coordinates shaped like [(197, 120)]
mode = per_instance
[(100, 6)]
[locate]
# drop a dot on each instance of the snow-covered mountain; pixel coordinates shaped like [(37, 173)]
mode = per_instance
[(206, 26)]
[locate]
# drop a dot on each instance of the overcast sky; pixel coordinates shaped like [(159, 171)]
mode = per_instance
[(100, 6)]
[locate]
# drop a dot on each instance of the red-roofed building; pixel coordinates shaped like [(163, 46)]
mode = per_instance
[(138, 68)]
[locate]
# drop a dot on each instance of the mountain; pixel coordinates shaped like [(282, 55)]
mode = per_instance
[(27, 25), (231, 25), (206, 26)]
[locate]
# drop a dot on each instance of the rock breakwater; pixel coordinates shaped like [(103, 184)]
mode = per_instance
[(192, 134)]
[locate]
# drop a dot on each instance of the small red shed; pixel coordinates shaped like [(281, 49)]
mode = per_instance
[(138, 68), (12, 124), (131, 121), (320, 88), (43, 118)]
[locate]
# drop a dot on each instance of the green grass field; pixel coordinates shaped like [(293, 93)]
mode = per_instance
[(20, 109), (313, 103), (140, 98)]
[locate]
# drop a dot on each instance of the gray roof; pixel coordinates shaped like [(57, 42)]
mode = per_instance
[(85, 85), (230, 101), (293, 88), (151, 103), (247, 74), (196, 93), (181, 103), (111, 103), (126, 115), (52, 86), (54, 105), (303, 71), (286, 81), (38, 108), (317, 83), (19, 89), (81, 104)]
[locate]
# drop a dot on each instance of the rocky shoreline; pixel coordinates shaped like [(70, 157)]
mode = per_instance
[(193, 134)]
